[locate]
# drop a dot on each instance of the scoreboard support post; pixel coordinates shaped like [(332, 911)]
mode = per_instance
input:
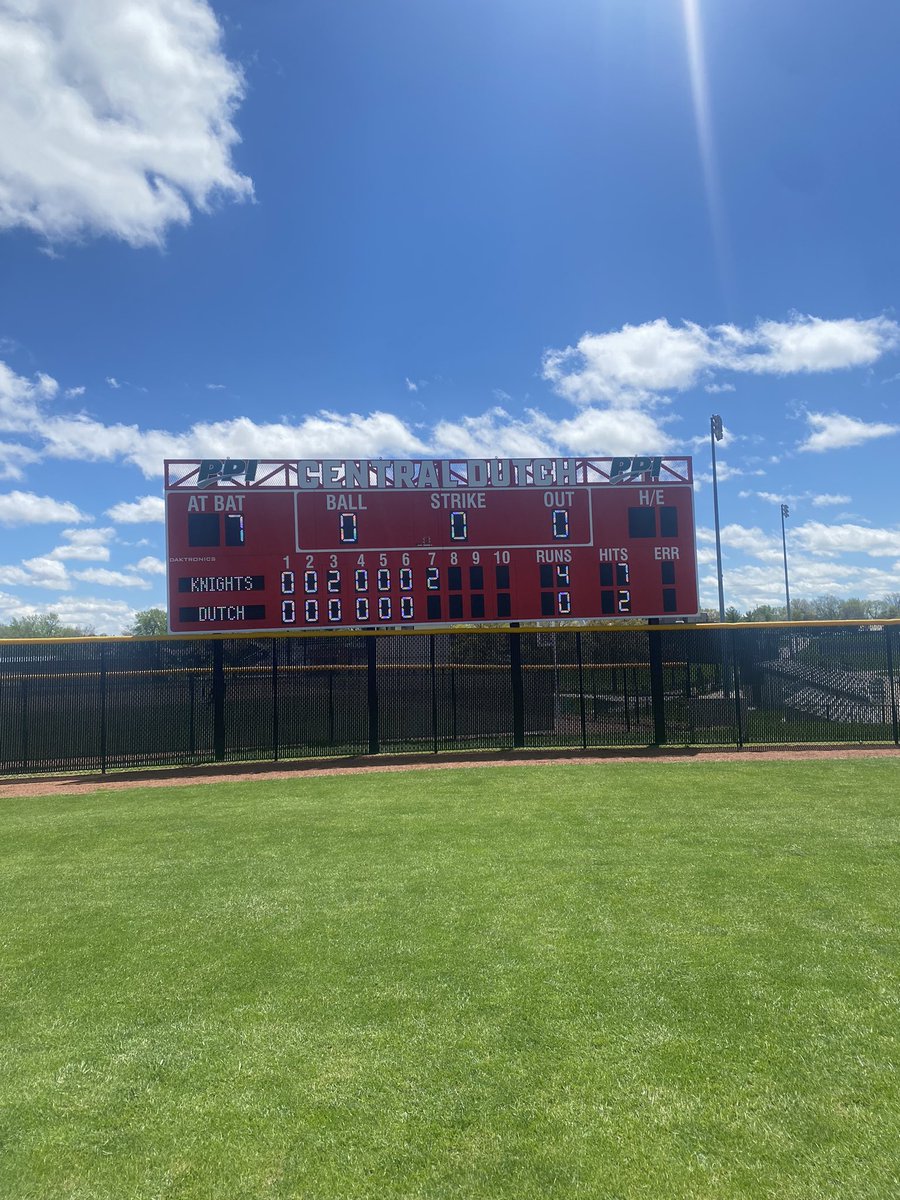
[(218, 698), (518, 689), (657, 683), (275, 714), (372, 693), (434, 700), (581, 703)]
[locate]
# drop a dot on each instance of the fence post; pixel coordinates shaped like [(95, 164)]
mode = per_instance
[(25, 748), (192, 741), (275, 713), (454, 726), (657, 684), (518, 690), (218, 699), (372, 693), (581, 711), (434, 703), (738, 716), (103, 708), (895, 727)]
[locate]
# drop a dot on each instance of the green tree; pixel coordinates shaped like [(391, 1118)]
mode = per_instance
[(765, 612), (803, 610), (150, 622), (855, 609), (827, 608), (43, 625)]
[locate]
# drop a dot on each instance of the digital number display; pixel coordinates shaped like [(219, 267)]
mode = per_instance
[(429, 543)]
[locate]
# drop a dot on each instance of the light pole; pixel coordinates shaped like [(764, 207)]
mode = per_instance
[(715, 435), (785, 512)]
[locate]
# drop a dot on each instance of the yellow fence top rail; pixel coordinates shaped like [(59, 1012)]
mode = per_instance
[(476, 630)]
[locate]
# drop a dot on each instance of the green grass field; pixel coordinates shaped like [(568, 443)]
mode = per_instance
[(580, 981)]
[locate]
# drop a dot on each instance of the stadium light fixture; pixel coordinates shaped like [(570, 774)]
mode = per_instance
[(785, 512), (716, 433)]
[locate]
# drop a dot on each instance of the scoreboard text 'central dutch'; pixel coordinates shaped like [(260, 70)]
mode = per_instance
[(336, 543)]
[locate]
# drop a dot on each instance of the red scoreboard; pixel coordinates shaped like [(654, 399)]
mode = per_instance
[(336, 543)]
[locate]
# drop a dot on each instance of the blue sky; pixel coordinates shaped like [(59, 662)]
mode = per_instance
[(453, 227)]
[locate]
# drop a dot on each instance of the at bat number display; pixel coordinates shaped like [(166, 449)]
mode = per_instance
[(328, 544)]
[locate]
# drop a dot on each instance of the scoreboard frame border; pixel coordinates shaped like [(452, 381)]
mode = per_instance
[(185, 483)]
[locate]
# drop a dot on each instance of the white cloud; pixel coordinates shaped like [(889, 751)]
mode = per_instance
[(809, 344), (42, 571), (701, 441), (85, 545), (814, 556), (494, 433), (725, 471), (110, 578), (105, 615), (630, 365), (327, 434), (410, 385), (769, 497), (108, 616), (823, 500), (21, 398), (13, 457), (216, 387), (591, 431), (116, 116), (25, 508), (47, 572), (715, 388), (750, 585), (13, 576), (113, 382), (821, 539), (323, 434), (639, 363), (135, 512), (611, 431), (836, 431), (150, 565), (826, 499), (73, 393), (753, 541)]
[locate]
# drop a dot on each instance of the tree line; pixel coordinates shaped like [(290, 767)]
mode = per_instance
[(821, 608), (40, 626), (151, 622)]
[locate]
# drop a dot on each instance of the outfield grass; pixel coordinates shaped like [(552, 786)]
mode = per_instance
[(581, 981)]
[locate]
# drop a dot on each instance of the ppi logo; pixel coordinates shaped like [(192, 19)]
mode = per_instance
[(214, 471)]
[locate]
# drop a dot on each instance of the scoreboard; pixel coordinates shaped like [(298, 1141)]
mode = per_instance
[(312, 544)]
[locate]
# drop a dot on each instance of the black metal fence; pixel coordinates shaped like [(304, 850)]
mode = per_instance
[(101, 704)]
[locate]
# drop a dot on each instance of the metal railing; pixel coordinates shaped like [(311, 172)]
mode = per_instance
[(98, 704)]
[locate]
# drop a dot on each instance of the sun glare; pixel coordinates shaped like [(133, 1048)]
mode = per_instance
[(693, 31)]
